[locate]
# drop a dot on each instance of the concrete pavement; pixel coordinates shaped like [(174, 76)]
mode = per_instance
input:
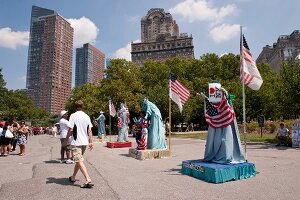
[(39, 175)]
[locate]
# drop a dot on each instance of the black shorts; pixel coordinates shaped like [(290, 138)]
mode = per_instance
[(4, 140)]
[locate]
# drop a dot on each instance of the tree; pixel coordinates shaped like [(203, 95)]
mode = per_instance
[(290, 91)]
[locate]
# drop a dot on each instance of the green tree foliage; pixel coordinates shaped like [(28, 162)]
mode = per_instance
[(88, 93), (290, 91), (127, 83), (123, 85), (16, 104)]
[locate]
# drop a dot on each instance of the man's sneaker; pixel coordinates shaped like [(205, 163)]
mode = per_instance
[(69, 161)]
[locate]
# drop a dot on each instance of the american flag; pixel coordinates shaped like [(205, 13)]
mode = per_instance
[(112, 110), (218, 115), (251, 74), (178, 92)]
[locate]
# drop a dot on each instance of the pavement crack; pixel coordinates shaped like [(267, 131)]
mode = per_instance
[(104, 179)]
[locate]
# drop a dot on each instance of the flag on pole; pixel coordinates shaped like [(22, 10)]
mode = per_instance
[(218, 115), (178, 92), (252, 76), (112, 110)]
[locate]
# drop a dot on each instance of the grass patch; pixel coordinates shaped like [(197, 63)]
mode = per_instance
[(269, 138), (201, 136)]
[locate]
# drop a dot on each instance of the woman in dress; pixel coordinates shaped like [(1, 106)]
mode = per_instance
[(22, 138)]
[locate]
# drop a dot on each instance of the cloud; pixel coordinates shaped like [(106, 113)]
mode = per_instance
[(224, 54), (203, 10), (11, 39), (22, 78), (85, 31), (124, 52), (133, 18), (224, 32)]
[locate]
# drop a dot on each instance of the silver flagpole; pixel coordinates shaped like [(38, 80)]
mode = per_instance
[(243, 91)]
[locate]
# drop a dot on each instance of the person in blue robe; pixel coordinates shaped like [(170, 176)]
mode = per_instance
[(156, 134), (101, 125), (223, 143)]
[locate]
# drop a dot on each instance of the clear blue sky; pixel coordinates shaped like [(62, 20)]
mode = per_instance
[(112, 25)]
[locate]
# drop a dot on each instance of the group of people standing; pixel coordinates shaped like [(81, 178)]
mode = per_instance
[(12, 134)]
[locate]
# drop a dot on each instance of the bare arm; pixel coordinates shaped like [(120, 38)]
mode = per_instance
[(90, 135), (70, 131)]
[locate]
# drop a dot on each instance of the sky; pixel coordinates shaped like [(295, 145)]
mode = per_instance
[(111, 25)]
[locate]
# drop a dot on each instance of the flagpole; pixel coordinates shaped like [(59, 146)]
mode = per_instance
[(109, 127), (243, 93), (170, 126), (170, 112)]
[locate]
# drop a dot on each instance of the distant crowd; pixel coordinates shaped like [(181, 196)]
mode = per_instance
[(13, 133)]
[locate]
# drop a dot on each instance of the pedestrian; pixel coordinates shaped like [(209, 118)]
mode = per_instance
[(54, 130), (15, 126), (22, 138), (1, 139), (6, 139), (80, 127), (63, 130)]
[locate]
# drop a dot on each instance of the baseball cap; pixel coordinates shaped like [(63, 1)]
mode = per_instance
[(62, 113)]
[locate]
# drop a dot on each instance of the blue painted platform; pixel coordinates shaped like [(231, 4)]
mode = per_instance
[(217, 173)]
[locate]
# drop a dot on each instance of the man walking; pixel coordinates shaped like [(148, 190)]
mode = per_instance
[(80, 127)]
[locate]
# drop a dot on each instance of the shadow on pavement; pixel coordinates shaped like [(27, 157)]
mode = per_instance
[(125, 155), (60, 181), (173, 171), (266, 146), (52, 161)]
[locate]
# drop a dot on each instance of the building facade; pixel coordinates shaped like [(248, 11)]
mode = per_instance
[(161, 39), (49, 68), (90, 65), (286, 48)]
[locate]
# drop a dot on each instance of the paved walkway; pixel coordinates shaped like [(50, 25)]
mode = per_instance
[(39, 175)]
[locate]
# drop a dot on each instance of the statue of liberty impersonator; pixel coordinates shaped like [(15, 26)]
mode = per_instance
[(223, 141), (156, 131), (101, 125), (123, 124)]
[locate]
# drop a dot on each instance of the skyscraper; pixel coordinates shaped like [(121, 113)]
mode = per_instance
[(161, 39), (49, 68), (90, 64)]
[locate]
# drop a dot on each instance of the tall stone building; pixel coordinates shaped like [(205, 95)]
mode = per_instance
[(49, 68), (161, 39), (90, 65), (286, 48)]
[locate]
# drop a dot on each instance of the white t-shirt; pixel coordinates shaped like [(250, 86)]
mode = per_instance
[(83, 123), (282, 131), (63, 127)]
